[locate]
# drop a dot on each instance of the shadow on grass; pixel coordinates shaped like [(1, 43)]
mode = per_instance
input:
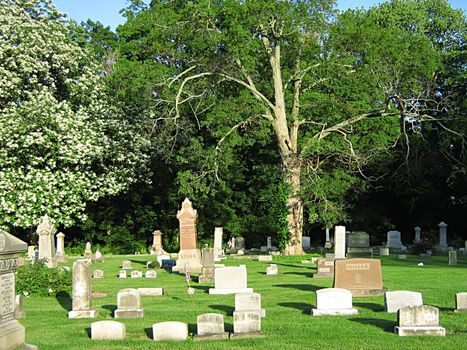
[(228, 327), (88, 331), (204, 288), (139, 262), (293, 265), (64, 300), (228, 310), (385, 325), (303, 307), (192, 328), (111, 308), (371, 306), (148, 332), (307, 287), (306, 274)]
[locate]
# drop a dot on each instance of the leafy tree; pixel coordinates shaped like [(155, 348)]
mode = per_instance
[(62, 143)]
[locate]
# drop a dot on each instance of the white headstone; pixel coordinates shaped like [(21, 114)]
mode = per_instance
[(150, 274), (129, 304), (230, 280), (272, 269), (170, 331), (122, 274), (136, 274), (60, 244), (333, 301), (246, 322), (443, 237), (108, 330), (339, 242), (218, 256), (401, 298), (126, 265), (98, 273)]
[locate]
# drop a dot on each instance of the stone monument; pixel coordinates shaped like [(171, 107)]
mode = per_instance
[(325, 268), (418, 234), (339, 242), (207, 261), (82, 290), (359, 245), (60, 253), (239, 245), (46, 232), (328, 244), (418, 320), (157, 248), (443, 236), (452, 257), (218, 251), (12, 333), (361, 276), (189, 257)]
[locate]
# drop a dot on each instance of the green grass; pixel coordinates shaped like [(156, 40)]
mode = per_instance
[(287, 298)]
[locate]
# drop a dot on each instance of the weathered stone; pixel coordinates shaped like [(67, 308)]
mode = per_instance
[(82, 290), (418, 234), (129, 304), (97, 256), (246, 322), (361, 276), (230, 280), (126, 265), (418, 320), (136, 274), (88, 251), (122, 274), (325, 268), (31, 254), (461, 302), (157, 248), (60, 252), (339, 242), (151, 292), (46, 232), (211, 326), (394, 240), (272, 269), (99, 273), (150, 274), (383, 251), (333, 301), (207, 274), (453, 258), (443, 237), (306, 243), (394, 300), (264, 257), (108, 330), (170, 331), (249, 302), (218, 251)]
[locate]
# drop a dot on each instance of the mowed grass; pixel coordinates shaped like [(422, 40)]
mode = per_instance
[(287, 297)]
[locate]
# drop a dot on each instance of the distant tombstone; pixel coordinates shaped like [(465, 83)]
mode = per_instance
[(19, 307), (88, 251), (170, 331), (359, 245), (97, 256), (461, 302), (394, 300), (361, 276), (425, 256), (339, 242), (122, 274), (402, 257), (218, 251), (230, 280), (207, 261), (443, 237), (31, 254), (453, 257), (264, 257), (272, 269), (384, 251), (129, 304), (239, 245), (328, 244), (189, 257), (306, 243), (126, 265), (325, 268), (46, 232), (151, 292), (418, 234), (333, 301), (150, 274), (249, 302), (12, 333), (210, 326), (394, 240), (60, 253), (136, 274), (82, 290), (157, 248), (168, 264), (418, 321), (99, 273), (108, 330)]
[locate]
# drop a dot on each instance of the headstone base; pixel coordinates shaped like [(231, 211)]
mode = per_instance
[(27, 347), (135, 313), (460, 310), (220, 336), (61, 259), (189, 260), (230, 290), (334, 312), (323, 275), (416, 331), (367, 292), (12, 335), (83, 314), (247, 335)]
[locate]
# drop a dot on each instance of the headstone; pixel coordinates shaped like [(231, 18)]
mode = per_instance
[(170, 331), (402, 257), (12, 333), (418, 234), (97, 256), (384, 251), (272, 269), (361, 276), (129, 304), (19, 307), (246, 323), (150, 274), (359, 245), (157, 248), (461, 302), (418, 321), (249, 302), (230, 280), (394, 240), (333, 301), (46, 232), (239, 246), (218, 251), (108, 330), (325, 268), (394, 300), (136, 274), (339, 242), (453, 257), (99, 273), (88, 251), (126, 265), (82, 290), (122, 274), (443, 237), (264, 257), (60, 253), (189, 257), (31, 254), (327, 243), (306, 243), (151, 292), (207, 261), (268, 242), (210, 326)]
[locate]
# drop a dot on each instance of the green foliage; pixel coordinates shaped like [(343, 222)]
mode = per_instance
[(37, 279)]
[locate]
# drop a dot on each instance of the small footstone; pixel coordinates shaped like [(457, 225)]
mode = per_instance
[(170, 331), (108, 330)]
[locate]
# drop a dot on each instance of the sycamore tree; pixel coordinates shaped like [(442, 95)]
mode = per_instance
[(62, 143), (335, 93)]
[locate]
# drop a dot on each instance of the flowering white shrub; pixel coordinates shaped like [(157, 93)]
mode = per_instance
[(62, 143)]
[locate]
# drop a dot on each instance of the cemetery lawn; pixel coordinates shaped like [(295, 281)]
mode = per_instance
[(287, 297)]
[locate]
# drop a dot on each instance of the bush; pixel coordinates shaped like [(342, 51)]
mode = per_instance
[(37, 279)]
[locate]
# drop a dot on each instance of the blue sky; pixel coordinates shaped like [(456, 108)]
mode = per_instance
[(107, 11)]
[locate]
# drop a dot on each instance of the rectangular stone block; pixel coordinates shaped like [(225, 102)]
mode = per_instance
[(126, 265), (230, 280), (150, 274), (99, 273), (452, 258), (246, 322), (420, 331), (151, 292), (170, 331), (136, 274), (272, 269), (247, 301), (210, 324), (361, 276), (264, 257), (325, 268), (122, 274), (461, 302), (108, 330), (333, 302), (418, 316), (395, 300), (129, 304)]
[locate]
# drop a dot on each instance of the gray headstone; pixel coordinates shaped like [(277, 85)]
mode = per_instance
[(396, 299), (129, 304)]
